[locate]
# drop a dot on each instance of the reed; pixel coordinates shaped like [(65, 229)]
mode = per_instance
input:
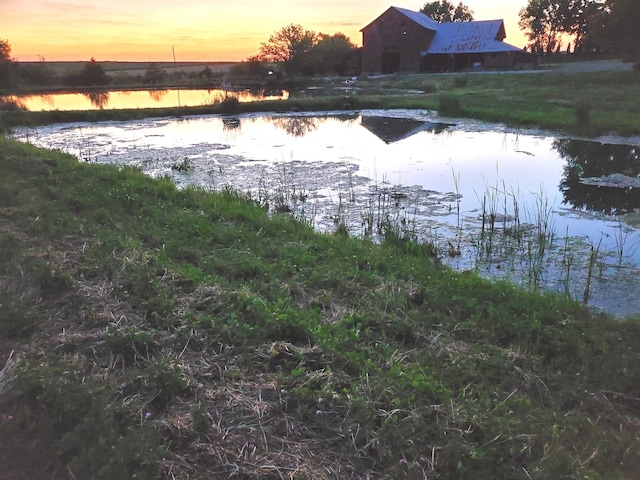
[(594, 252)]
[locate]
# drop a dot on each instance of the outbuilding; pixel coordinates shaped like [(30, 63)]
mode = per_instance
[(402, 40)]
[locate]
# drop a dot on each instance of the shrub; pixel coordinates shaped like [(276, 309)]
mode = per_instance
[(429, 88), (229, 105), (449, 105), (459, 82), (582, 110)]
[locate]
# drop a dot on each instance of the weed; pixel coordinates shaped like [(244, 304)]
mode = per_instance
[(184, 166), (459, 82), (582, 110), (449, 105), (229, 105)]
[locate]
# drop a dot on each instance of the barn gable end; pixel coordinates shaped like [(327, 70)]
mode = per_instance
[(401, 40)]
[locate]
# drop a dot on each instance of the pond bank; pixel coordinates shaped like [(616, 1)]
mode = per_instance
[(422, 175), (156, 332)]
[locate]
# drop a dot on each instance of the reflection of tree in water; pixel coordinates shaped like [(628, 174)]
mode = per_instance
[(230, 124), (12, 104), (158, 95), (299, 126), (98, 99), (296, 126), (587, 159)]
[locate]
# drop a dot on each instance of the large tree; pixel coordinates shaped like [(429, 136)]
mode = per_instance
[(333, 54), (615, 28), (541, 24), (290, 46), (7, 70), (444, 11), (92, 75), (547, 22)]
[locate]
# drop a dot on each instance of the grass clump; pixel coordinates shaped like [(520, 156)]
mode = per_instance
[(582, 110), (160, 333), (229, 105), (449, 105)]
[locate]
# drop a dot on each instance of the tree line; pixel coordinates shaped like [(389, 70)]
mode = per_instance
[(294, 50), (595, 26), (13, 73)]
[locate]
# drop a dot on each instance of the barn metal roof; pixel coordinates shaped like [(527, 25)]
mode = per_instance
[(419, 18), (470, 37), (462, 37)]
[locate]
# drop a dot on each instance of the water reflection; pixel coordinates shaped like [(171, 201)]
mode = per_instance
[(158, 95), (600, 177), (379, 166), (230, 123), (391, 129), (296, 126), (125, 99), (98, 99)]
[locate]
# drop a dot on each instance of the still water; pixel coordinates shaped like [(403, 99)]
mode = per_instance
[(549, 213), (124, 99)]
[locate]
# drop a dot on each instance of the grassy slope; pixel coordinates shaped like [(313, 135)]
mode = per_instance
[(182, 334)]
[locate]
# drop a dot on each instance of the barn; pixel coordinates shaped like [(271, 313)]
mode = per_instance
[(402, 40)]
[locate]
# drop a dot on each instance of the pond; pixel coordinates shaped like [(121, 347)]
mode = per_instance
[(125, 99), (546, 212)]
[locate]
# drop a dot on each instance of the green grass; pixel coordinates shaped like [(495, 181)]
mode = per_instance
[(545, 99), (163, 333)]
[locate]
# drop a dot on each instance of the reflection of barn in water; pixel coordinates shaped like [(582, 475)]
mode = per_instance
[(390, 129)]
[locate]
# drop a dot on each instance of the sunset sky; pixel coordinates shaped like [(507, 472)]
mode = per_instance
[(199, 30)]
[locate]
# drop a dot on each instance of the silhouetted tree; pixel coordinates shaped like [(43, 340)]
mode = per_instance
[(291, 46), (36, 73), (154, 74), (92, 75), (615, 28), (444, 11), (333, 54), (253, 66), (546, 21), (7, 65), (206, 72)]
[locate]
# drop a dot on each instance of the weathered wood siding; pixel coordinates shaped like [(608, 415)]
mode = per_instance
[(393, 43)]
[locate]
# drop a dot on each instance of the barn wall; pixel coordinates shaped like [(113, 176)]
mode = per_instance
[(393, 43)]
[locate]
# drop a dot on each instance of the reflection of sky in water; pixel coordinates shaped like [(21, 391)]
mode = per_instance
[(124, 99), (475, 162)]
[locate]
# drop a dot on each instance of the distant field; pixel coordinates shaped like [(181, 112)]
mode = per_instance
[(135, 68)]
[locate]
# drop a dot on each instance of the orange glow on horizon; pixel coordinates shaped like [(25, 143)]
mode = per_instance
[(202, 30)]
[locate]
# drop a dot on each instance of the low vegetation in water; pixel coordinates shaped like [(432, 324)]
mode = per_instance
[(151, 332)]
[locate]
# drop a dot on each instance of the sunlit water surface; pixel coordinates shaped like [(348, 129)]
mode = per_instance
[(545, 212), (125, 99)]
